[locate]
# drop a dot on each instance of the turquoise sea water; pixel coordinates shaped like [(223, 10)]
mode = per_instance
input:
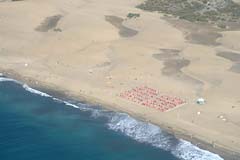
[(37, 126)]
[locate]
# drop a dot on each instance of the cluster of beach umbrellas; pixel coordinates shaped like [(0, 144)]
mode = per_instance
[(150, 97)]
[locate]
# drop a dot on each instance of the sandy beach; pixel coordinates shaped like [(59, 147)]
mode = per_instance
[(92, 51)]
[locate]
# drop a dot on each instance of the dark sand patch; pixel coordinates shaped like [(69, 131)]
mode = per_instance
[(235, 68), (49, 23), (167, 54), (204, 38), (104, 64), (200, 33), (173, 65), (170, 51), (232, 56), (173, 68), (173, 62), (123, 31)]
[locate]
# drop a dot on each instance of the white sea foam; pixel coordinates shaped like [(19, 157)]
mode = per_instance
[(151, 134), (70, 104), (185, 150), (26, 87), (140, 131), (81, 106), (2, 79), (1, 74)]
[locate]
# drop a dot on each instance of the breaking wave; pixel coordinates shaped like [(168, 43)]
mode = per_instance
[(153, 135), (140, 131), (2, 79), (27, 88), (70, 104)]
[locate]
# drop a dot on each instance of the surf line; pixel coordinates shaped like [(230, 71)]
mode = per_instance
[(34, 91)]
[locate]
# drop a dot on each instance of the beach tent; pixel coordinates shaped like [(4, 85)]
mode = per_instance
[(201, 101)]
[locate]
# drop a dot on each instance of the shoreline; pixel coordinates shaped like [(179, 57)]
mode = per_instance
[(65, 95)]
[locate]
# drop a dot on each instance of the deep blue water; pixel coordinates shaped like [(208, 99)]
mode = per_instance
[(37, 127)]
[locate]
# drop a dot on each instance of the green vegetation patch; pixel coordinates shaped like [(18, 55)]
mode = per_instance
[(133, 15), (211, 11)]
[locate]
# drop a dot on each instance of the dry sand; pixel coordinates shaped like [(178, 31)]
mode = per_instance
[(99, 53)]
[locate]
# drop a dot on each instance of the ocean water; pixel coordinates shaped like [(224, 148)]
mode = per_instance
[(37, 126)]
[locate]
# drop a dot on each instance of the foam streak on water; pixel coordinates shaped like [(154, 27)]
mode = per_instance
[(140, 131)]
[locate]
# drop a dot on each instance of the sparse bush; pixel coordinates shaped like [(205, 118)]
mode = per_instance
[(221, 25), (133, 15)]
